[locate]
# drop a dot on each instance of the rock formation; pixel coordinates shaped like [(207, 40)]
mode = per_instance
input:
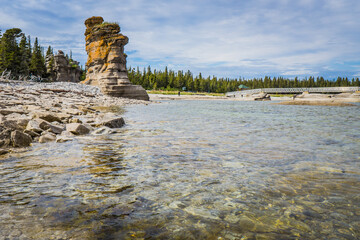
[(61, 69), (106, 63)]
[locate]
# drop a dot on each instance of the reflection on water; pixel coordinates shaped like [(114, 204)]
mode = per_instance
[(193, 170)]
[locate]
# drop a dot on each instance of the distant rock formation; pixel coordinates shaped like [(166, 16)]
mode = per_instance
[(106, 63), (60, 69)]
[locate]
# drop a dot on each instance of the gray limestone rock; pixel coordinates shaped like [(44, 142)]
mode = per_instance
[(44, 125), (77, 128), (31, 133), (20, 119), (47, 116), (8, 111), (11, 124), (20, 139), (47, 137), (34, 126), (114, 123)]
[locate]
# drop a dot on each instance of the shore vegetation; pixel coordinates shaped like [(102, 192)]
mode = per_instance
[(20, 57)]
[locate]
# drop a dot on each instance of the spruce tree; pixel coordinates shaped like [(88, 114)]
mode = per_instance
[(24, 58), (37, 63), (50, 62)]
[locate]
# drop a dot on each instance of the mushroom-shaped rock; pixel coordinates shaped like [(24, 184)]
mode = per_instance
[(106, 63)]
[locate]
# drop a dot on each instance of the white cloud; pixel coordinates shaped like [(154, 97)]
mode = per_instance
[(258, 36)]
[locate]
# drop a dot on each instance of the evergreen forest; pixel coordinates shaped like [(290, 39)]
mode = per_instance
[(20, 57), (180, 80)]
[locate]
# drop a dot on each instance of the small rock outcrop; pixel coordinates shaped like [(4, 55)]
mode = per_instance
[(61, 69), (106, 63)]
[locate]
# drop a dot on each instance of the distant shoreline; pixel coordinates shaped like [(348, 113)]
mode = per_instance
[(309, 99), (156, 97)]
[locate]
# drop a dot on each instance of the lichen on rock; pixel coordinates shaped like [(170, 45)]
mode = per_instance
[(106, 63)]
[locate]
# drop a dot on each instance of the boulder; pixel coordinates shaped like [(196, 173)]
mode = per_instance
[(64, 116), (44, 125), (114, 123), (67, 134), (47, 116), (47, 137), (77, 128), (11, 124), (20, 139), (31, 133), (20, 119), (34, 126), (56, 129)]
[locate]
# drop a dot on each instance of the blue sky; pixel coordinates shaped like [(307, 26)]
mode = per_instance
[(228, 38)]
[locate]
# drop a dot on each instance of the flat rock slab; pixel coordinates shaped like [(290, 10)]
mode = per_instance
[(10, 111), (50, 117)]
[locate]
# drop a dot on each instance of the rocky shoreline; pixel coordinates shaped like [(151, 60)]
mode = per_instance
[(48, 112), (313, 99)]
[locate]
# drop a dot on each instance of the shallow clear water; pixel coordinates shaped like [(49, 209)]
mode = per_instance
[(193, 170)]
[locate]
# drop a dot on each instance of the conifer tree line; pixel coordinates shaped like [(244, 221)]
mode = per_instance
[(171, 80), (21, 57)]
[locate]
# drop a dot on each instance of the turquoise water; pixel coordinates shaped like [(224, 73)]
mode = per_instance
[(193, 170)]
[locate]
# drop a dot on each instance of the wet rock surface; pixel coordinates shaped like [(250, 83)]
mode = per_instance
[(41, 112)]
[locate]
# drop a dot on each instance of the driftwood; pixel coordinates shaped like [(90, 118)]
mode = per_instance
[(6, 76)]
